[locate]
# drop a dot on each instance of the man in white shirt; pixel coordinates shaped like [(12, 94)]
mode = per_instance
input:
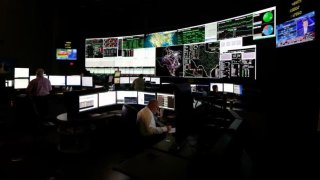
[(147, 121)]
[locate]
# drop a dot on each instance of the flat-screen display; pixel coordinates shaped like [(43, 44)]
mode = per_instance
[(145, 97), (57, 80), (237, 89), (88, 102), (74, 80), (220, 86), (124, 80), (66, 54), (107, 98), (87, 81), (155, 80), (127, 97), (21, 83), (227, 87), (21, 72), (147, 79), (298, 30), (166, 101), (34, 77)]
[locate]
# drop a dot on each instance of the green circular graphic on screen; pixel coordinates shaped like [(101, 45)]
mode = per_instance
[(267, 17), (267, 30)]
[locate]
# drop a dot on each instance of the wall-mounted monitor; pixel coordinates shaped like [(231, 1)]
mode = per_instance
[(20, 83), (66, 54), (166, 101), (298, 30), (107, 98), (127, 97), (87, 81), (21, 72), (57, 80), (145, 97), (88, 102)]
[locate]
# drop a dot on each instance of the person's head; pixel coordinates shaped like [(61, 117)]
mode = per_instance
[(214, 88), (153, 105), (39, 72), (305, 23), (140, 75)]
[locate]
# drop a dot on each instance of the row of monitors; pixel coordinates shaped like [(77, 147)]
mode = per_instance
[(129, 80), (222, 87), (101, 99), (55, 80)]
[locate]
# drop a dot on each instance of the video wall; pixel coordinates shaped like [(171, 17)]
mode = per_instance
[(212, 50)]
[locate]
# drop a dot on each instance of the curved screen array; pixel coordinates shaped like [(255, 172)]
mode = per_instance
[(197, 51)]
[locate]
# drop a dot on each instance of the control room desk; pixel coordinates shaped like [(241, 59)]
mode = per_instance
[(74, 134)]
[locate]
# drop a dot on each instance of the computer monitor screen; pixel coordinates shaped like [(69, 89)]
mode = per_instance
[(127, 97), (21, 83), (220, 86), (237, 89), (203, 87), (227, 87), (132, 79), (34, 77), (147, 78), (107, 98), (166, 101), (298, 30), (88, 102), (87, 81), (155, 80), (21, 72), (124, 80), (57, 80), (74, 80), (145, 97)]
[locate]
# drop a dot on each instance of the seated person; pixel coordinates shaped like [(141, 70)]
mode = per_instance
[(146, 120)]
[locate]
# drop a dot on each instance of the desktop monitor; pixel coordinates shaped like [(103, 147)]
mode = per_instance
[(87, 81), (202, 87), (145, 97), (57, 80), (147, 78), (107, 98), (20, 83), (88, 102), (124, 80), (155, 80), (237, 89), (74, 80), (166, 101), (32, 77), (21, 72), (127, 97), (227, 87), (220, 86)]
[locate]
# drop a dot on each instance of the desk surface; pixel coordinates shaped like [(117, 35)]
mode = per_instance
[(94, 116), (155, 165)]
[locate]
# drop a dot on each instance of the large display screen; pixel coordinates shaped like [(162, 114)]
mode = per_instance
[(66, 54), (298, 30), (264, 23)]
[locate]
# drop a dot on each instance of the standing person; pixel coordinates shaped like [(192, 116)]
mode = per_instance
[(146, 120), (138, 84), (39, 89)]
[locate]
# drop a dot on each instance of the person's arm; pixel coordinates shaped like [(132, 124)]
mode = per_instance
[(150, 126), (30, 88)]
